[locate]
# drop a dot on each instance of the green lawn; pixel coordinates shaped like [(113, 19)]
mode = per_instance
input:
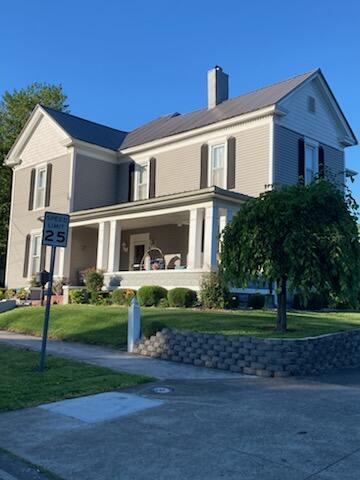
[(108, 325), (22, 385)]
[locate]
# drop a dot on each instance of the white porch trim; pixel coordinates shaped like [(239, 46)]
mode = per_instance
[(103, 246)]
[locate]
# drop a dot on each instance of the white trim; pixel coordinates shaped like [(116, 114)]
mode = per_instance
[(94, 151), (137, 239), (42, 166), (138, 164), (213, 144), (142, 214), (34, 233), (72, 179), (309, 142), (10, 229), (271, 154)]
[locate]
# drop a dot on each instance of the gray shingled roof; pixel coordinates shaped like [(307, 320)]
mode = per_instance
[(86, 130), (249, 102), (175, 122)]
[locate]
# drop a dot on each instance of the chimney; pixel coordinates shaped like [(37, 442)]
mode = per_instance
[(218, 86)]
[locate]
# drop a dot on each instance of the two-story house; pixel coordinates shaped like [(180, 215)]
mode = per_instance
[(147, 205)]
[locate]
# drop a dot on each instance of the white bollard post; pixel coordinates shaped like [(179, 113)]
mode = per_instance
[(134, 324)]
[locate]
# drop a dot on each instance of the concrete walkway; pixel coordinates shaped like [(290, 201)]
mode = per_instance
[(117, 360)]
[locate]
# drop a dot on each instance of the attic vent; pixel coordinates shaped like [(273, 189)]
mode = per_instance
[(311, 104)]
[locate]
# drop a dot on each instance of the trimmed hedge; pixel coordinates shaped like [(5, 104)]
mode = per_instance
[(181, 297), (78, 296), (151, 328), (122, 296), (256, 301), (150, 295)]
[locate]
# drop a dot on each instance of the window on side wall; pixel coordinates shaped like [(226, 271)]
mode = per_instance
[(35, 254), (311, 162), (217, 165), (40, 186), (142, 181)]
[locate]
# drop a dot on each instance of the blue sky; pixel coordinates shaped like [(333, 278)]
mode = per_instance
[(124, 63)]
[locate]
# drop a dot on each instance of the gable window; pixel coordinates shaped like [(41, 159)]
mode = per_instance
[(35, 254), (217, 165), (311, 161), (40, 187), (142, 181), (311, 104)]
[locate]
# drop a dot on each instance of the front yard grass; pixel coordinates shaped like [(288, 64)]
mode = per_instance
[(107, 325), (21, 385)]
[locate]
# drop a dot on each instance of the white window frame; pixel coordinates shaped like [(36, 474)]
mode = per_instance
[(34, 234), (39, 168), (220, 142), (309, 142), (138, 165)]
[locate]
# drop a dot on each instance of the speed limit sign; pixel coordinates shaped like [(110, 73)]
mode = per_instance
[(55, 230)]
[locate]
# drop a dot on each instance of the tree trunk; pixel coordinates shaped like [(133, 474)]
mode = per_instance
[(281, 324)]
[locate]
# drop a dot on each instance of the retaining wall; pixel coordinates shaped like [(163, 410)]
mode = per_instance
[(255, 356)]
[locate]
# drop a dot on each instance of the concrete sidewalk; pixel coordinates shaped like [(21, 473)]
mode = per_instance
[(117, 360), (231, 429)]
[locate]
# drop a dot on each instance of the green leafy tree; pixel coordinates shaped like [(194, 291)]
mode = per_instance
[(15, 109), (303, 237)]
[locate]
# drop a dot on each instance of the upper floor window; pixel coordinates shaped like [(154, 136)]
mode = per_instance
[(311, 104), (217, 165), (35, 254), (311, 162), (40, 187), (142, 181)]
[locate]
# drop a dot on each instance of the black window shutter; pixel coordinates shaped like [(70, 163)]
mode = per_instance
[(321, 162), (32, 189), (48, 184), (204, 166), (42, 257), (301, 160), (231, 165), (152, 177), (26, 256), (131, 181)]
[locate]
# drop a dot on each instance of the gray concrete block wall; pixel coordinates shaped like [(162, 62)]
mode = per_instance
[(255, 356)]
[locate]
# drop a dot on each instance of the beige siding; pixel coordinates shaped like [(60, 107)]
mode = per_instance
[(24, 221), (286, 158), (252, 160), (83, 251), (321, 125), (95, 183), (178, 170), (44, 144)]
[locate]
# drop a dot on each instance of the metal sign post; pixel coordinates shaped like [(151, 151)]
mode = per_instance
[(55, 234)]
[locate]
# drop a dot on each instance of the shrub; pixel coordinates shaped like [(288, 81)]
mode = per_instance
[(164, 303), (151, 328), (314, 302), (78, 295), (213, 293), (122, 296), (100, 298), (150, 295), (2, 293), (181, 297), (94, 280), (10, 293), (21, 294), (256, 301), (34, 282)]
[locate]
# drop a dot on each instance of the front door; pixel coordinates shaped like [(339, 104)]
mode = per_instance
[(139, 245)]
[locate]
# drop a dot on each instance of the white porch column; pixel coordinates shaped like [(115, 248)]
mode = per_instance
[(103, 246), (64, 259), (226, 216), (211, 237), (195, 235), (114, 246)]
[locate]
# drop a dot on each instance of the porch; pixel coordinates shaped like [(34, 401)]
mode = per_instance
[(155, 243)]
